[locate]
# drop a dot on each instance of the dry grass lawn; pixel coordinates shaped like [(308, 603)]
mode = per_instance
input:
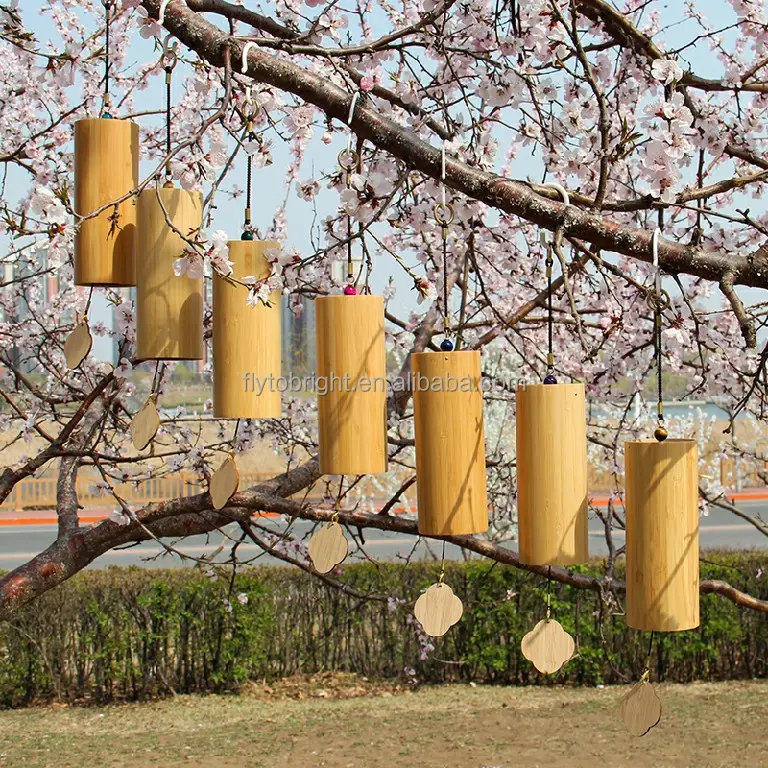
[(348, 723)]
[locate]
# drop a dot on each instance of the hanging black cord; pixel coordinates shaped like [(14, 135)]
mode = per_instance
[(648, 655), (107, 99), (550, 324), (349, 161), (250, 137), (549, 591), (247, 228), (442, 564), (350, 268), (661, 432), (550, 377), (444, 216), (168, 73), (248, 184), (445, 282)]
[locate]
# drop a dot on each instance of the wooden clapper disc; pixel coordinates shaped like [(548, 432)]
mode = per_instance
[(145, 425), (224, 482), (78, 345), (438, 609), (641, 708), (548, 646), (328, 547)]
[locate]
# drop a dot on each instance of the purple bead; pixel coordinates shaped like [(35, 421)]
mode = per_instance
[(446, 345), (550, 379), (350, 291)]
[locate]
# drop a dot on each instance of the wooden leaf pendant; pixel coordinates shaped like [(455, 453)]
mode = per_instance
[(224, 482), (78, 345), (641, 708), (145, 425), (548, 646), (438, 609), (328, 547)]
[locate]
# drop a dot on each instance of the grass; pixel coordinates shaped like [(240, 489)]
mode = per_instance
[(342, 722)]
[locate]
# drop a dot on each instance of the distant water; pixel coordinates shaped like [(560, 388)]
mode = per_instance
[(684, 409), (692, 409)]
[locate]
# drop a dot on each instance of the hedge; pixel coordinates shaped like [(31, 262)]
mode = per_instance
[(134, 633)]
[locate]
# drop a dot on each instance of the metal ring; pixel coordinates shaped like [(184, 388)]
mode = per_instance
[(443, 214), (658, 302), (348, 159)]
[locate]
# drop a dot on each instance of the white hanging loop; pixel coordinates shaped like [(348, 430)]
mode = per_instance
[(350, 115), (170, 51), (353, 104), (563, 192), (246, 50), (561, 189), (161, 13)]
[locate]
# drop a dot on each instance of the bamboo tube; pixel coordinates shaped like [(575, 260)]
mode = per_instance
[(450, 443), (246, 340), (352, 398), (552, 474), (106, 169), (662, 492), (169, 309)]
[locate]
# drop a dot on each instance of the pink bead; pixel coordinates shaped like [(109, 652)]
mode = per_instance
[(350, 290)]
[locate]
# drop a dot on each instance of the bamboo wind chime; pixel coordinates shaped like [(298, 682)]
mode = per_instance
[(351, 363), (106, 172), (551, 437), (662, 525), (246, 339), (169, 308), (450, 445)]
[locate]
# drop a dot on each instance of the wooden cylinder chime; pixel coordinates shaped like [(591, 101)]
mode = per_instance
[(351, 375), (450, 443), (662, 525), (246, 340), (169, 309), (552, 474), (106, 169)]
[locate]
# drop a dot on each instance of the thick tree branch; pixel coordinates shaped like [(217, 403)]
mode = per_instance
[(193, 515)]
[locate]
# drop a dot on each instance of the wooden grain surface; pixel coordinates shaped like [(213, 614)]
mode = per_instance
[(246, 340), (662, 517), (552, 474), (106, 168)]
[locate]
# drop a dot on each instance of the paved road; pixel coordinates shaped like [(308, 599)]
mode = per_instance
[(19, 543)]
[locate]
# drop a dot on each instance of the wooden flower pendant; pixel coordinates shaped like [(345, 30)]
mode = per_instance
[(641, 708), (548, 646), (438, 609), (328, 547)]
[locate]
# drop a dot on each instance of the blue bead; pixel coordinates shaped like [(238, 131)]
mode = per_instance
[(247, 236), (550, 379), (106, 116), (446, 345)]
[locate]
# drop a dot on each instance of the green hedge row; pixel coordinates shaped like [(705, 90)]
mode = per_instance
[(134, 633)]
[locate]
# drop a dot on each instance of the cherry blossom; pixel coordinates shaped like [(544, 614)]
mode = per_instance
[(666, 71)]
